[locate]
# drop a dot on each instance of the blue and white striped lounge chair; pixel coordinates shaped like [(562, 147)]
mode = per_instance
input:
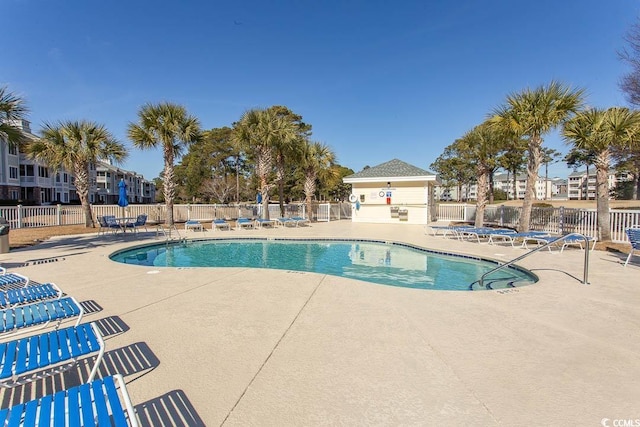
[(28, 294), (261, 222), (540, 240), (578, 241), (12, 279), (300, 220), (92, 404), (634, 238), (244, 223), (512, 236), (220, 224), (21, 318), (287, 222), (194, 225), (27, 359)]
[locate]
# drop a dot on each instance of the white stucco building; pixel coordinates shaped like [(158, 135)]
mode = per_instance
[(393, 192)]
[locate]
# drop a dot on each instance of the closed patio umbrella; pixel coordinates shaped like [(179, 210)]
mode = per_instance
[(123, 201)]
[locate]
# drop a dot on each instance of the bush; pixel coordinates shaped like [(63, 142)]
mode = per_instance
[(542, 205)]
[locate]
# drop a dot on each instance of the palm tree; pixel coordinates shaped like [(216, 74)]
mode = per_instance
[(317, 160), (257, 133), (533, 113), (74, 146), (12, 109), (169, 126), (598, 131), (480, 144)]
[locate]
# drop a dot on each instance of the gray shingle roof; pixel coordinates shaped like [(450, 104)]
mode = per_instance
[(391, 168)]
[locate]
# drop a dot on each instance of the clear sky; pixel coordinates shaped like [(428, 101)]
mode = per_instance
[(377, 79)]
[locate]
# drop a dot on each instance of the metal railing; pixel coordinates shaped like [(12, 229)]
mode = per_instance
[(585, 280)]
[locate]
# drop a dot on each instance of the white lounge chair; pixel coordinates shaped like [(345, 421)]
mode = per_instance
[(220, 224), (194, 225), (244, 223)]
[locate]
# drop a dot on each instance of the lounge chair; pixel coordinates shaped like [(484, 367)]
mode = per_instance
[(244, 223), (21, 318), (29, 294), (578, 241), (194, 225), (634, 238), (220, 224), (12, 279), (300, 220), (261, 222), (511, 237), (39, 356), (287, 222), (95, 403)]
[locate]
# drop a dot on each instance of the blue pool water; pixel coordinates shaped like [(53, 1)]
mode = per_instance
[(386, 263)]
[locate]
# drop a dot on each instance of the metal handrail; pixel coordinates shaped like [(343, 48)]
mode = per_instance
[(585, 281)]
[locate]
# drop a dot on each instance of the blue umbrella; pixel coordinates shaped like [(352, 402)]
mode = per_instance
[(122, 194)]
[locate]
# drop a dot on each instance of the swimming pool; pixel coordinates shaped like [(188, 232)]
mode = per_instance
[(387, 263)]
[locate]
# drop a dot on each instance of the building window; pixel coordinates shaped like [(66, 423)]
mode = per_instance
[(13, 150), (58, 177), (26, 170), (43, 172), (65, 178), (14, 194), (13, 172)]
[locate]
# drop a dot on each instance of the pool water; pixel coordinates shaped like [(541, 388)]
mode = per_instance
[(386, 263)]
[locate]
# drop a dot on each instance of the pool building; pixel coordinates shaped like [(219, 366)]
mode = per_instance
[(393, 192)]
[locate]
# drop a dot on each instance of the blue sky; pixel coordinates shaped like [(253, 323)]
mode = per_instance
[(377, 79)]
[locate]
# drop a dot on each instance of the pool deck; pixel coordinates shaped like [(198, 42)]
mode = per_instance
[(236, 346)]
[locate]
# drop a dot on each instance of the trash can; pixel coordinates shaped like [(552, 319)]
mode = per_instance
[(394, 211), (4, 236), (403, 215)]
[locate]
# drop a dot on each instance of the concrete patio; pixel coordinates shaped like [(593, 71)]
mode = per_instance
[(236, 346)]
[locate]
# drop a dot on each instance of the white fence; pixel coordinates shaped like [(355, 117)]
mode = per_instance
[(49, 216), (554, 220)]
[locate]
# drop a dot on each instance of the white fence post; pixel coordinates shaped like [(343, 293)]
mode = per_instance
[(19, 216)]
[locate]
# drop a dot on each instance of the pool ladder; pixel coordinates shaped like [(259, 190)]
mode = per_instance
[(585, 280)]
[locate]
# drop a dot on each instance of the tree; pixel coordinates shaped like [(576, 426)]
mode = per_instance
[(549, 155), (170, 127), (12, 110), (533, 113), (481, 146), (257, 133), (74, 146), (316, 159), (577, 157), (453, 169), (288, 150), (598, 131), (630, 82), (628, 160), (513, 159)]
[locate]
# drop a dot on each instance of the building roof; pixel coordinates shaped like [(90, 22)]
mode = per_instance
[(396, 169)]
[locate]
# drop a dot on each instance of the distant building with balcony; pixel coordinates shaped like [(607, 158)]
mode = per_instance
[(582, 184), (24, 180), (545, 189)]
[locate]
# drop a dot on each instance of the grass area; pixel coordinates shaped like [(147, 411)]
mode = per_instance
[(22, 237)]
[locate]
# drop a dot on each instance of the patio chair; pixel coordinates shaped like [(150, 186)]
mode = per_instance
[(634, 238), (27, 359), (244, 223), (22, 318), (12, 279), (29, 294), (220, 224), (95, 403), (141, 221), (108, 223), (512, 237)]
